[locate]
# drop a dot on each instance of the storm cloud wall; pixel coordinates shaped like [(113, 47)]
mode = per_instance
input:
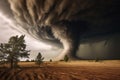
[(100, 47)]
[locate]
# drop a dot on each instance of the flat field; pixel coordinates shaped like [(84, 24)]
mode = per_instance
[(73, 70)]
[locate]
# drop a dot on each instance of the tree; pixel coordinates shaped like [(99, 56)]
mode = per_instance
[(39, 59), (2, 59), (66, 58), (14, 49), (27, 60), (32, 60), (50, 60)]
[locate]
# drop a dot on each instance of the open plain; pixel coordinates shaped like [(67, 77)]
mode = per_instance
[(72, 70)]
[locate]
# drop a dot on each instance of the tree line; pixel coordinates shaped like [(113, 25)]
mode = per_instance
[(15, 48)]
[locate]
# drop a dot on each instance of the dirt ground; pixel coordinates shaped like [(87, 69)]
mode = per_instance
[(74, 70)]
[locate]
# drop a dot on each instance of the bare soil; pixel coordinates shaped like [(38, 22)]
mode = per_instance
[(75, 70)]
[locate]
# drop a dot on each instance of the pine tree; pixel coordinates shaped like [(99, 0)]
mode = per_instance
[(66, 58), (39, 59), (2, 59), (50, 60), (14, 49)]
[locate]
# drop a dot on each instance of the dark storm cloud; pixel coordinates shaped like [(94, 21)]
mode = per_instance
[(5, 8), (37, 12), (66, 20)]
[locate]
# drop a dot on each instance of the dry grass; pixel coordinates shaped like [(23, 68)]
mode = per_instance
[(73, 70)]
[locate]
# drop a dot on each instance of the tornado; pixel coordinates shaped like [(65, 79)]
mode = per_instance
[(64, 21)]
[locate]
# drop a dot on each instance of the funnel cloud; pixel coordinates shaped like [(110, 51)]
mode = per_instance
[(64, 23)]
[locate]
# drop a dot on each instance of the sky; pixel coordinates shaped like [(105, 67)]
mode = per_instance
[(7, 30), (83, 29)]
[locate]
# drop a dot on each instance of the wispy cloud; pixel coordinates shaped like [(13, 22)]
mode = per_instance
[(7, 30)]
